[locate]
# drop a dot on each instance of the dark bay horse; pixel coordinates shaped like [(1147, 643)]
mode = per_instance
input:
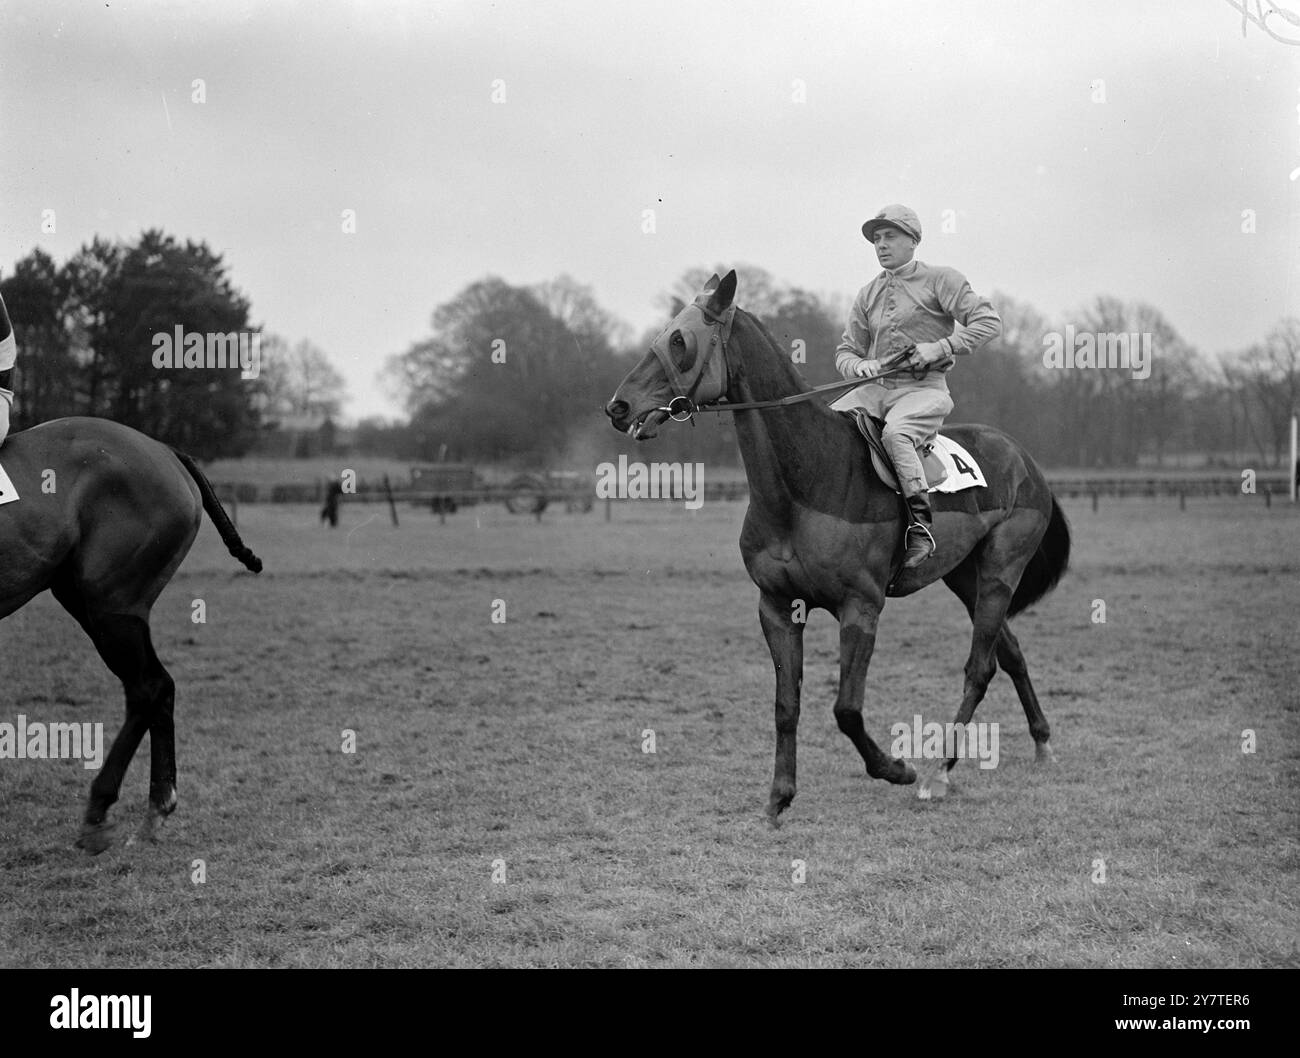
[(105, 516), (823, 529)]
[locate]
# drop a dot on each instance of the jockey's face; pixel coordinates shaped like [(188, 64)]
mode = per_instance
[(893, 248)]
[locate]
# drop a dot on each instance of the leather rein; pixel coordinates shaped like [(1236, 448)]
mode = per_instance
[(683, 406)]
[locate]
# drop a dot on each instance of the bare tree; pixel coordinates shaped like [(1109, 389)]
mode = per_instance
[(300, 379), (1272, 373)]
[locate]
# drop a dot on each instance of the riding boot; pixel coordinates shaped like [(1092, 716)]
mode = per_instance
[(920, 539)]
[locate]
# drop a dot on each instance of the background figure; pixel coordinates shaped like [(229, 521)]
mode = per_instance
[(331, 508)]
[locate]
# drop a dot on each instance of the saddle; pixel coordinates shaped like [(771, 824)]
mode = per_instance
[(948, 467)]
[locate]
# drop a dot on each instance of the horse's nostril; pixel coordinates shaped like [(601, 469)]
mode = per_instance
[(616, 409)]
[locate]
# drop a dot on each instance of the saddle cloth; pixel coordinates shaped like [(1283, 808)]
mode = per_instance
[(948, 466), (7, 491)]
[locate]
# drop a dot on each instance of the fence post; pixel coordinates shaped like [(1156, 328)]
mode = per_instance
[(608, 502), (1094, 501)]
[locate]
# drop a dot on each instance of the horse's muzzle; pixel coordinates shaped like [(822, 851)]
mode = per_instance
[(617, 411)]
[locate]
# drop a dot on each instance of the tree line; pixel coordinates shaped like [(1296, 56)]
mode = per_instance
[(546, 402), (520, 373), (91, 332)]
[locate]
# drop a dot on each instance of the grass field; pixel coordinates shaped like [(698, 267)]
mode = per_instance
[(516, 748)]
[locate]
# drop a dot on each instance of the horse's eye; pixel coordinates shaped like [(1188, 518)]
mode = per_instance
[(678, 339)]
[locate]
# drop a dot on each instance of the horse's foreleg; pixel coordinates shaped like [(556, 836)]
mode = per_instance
[(785, 641), (857, 640)]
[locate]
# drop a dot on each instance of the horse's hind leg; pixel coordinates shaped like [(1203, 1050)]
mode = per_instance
[(162, 744), (124, 643), (963, 581), (1013, 664), (986, 583)]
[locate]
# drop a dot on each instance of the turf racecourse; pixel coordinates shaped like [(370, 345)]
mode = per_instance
[(515, 748)]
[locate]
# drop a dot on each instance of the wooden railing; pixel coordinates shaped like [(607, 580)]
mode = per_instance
[(1267, 485)]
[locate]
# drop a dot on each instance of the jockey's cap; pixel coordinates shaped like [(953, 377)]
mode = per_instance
[(896, 216)]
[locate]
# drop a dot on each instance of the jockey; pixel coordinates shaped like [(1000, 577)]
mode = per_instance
[(910, 303), (8, 355)]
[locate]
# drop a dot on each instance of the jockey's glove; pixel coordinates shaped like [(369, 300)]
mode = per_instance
[(865, 367)]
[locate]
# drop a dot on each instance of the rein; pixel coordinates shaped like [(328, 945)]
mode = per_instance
[(683, 407), (799, 398)]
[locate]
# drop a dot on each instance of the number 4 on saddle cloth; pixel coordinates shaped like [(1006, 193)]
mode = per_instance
[(7, 491), (948, 466)]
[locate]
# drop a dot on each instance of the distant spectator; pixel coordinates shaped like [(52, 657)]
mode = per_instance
[(331, 508)]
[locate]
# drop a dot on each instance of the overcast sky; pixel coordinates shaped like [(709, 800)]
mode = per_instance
[(690, 109)]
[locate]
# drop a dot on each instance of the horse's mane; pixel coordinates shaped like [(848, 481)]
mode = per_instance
[(787, 376)]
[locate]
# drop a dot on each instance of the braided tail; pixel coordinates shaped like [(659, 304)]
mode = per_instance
[(229, 534)]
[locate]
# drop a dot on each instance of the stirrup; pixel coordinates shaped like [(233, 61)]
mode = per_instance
[(910, 563)]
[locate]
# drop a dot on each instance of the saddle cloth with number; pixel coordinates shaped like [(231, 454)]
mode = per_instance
[(948, 466), (7, 491)]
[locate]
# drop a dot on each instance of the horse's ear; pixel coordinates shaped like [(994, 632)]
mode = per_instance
[(676, 307), (720, 300), (712, 284)]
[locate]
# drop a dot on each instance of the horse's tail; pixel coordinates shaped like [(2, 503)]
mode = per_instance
[(1047, 565), (229, 534)]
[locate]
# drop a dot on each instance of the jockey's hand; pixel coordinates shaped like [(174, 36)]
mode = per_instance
[(931, 353), (865, 367)]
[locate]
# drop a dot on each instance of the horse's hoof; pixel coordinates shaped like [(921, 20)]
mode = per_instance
[(782, 795), (933, 789), (164, 805), (96, 837), (1043, 754), (147, 832), (900, 773)]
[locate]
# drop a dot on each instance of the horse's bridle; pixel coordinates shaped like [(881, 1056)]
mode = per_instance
[(683, 406)]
